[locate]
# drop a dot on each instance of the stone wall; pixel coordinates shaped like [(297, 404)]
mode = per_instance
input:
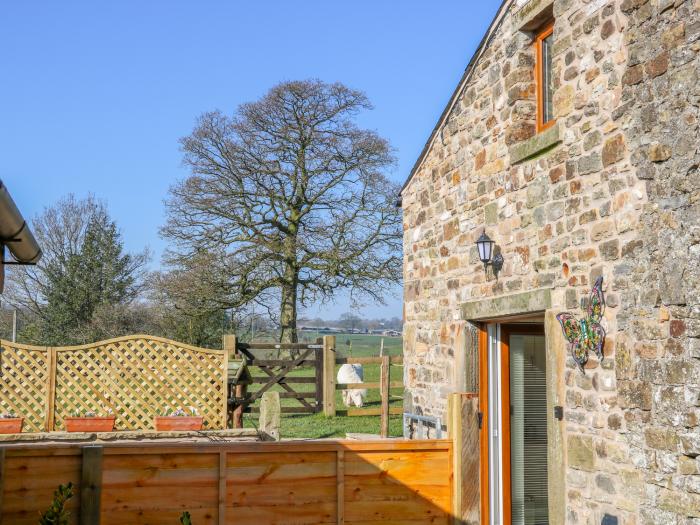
[(616, 195), (657, 367)]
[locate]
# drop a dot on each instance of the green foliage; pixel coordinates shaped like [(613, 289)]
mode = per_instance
[(56, 513), (99, 274), (75, 293), (186, 519)]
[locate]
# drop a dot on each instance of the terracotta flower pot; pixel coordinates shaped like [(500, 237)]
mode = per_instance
[(90, 424), (179, 422), (11, 425)]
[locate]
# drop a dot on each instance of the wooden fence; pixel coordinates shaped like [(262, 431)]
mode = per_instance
[(311, 482), (278, 362), (136, 377)]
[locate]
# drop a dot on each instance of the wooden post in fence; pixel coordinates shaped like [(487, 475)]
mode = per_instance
[(2, 477), (50, 418), (91, 485), (463, 429), (384, 391), (318, 370), (329, 375), (230, 346)]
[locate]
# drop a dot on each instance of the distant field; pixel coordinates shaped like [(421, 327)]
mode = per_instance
[(362, 345), (317, 425)]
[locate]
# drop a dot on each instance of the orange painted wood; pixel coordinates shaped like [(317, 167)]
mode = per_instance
[(12, 425), (178, 422), (484, 409), (89, 424), (399, 481), (543, 33)]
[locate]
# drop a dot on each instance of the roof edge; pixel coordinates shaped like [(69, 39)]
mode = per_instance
[(495, 23)]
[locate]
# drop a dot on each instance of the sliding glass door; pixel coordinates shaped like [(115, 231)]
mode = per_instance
[(528, 430), (517, 425)]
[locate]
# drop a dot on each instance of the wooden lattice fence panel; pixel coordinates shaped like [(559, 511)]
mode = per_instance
[(24, 372), (139, 377), (135, 377)]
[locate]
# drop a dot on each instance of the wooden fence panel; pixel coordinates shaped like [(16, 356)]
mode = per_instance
[(24, 373), (281, 487), (397, 487), (156, 488), (136, 377), (30, 481), (285, 483)]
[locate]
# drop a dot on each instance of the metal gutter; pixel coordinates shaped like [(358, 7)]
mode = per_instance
[(15, 232)]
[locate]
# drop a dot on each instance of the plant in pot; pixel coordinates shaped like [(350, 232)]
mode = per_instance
[(179, 420), (10, 423), (89, 421)]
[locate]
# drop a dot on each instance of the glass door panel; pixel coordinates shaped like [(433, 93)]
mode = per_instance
[(528, 430)]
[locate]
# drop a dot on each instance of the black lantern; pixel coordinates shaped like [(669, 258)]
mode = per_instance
[(485, 246)]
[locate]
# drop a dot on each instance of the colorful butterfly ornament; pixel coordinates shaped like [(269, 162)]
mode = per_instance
[(586, 335)]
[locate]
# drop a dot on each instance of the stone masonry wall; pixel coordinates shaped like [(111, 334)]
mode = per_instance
[(617, 197), (657, 366)]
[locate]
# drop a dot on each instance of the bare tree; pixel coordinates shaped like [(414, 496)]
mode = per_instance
[(293, 195)]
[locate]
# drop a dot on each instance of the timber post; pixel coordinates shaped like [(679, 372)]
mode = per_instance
[(91, 485), (329, 355), (384, 381), (230, 346), (236, 414), (318, 369), (463, 429)]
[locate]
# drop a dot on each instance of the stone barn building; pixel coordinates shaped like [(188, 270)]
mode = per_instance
[(572, 142)]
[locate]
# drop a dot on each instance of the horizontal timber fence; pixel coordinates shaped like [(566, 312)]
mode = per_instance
[(135, 378), (302, 482)]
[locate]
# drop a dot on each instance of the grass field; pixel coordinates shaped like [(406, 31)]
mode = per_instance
[(319, 426)]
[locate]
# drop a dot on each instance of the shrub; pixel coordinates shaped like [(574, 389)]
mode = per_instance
[(56, 513)]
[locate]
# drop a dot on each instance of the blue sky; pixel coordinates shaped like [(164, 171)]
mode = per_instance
[(95, 95)]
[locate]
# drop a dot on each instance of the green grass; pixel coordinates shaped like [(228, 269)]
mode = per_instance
[(318, 426)]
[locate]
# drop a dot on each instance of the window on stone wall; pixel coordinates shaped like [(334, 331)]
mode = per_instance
[(543, 76)]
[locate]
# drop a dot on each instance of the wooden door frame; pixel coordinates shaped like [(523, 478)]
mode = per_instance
[(484, 411), (506, 330)]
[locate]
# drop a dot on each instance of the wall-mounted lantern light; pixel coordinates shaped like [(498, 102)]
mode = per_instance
[(485, 246)]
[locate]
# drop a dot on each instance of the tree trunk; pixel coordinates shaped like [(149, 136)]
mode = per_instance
[(288, 314)]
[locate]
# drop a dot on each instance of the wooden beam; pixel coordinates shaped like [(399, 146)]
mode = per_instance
[(276, 346), (240, 391), (363, 386), (2, 477), (222, 488), (340, 487), (318, 372), (230, 346), (329, 356), (351, 412), (50, 418), (289, 380), (454, 430), (384, 392), (395, 360), (279, 376), (91, 485)]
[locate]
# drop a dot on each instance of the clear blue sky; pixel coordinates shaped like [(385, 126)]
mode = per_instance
[(95, 95)]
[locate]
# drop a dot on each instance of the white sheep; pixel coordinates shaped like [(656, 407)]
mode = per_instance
[(348, 374)]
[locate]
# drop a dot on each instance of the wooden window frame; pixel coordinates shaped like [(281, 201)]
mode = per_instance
[(545, 31)]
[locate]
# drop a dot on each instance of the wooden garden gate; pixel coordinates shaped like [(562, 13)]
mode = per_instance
[(278, 364)]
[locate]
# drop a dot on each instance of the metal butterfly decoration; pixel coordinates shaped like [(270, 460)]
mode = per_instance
[(586, 335)]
